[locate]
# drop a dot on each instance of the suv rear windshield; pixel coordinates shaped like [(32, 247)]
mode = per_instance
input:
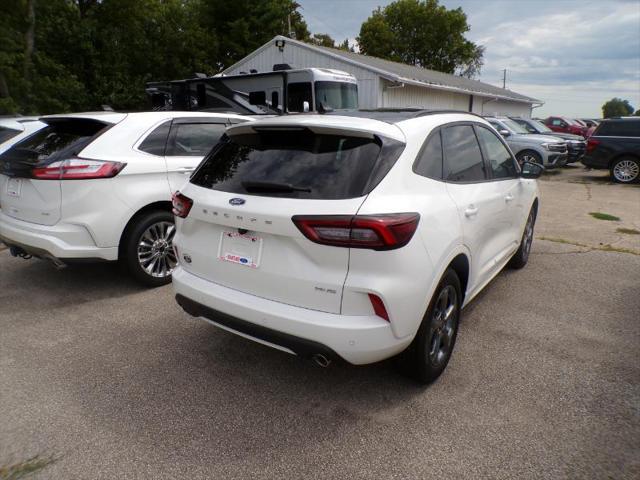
[(298, 164), (60, 140), (619, 128), (7, 133)]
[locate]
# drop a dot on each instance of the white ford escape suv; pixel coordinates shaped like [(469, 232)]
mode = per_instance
[(98, 186), (357, 235)]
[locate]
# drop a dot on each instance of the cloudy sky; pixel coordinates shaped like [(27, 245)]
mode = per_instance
[(573, 55)]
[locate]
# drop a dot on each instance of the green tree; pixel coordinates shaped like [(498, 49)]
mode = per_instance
[(616, 107), (422, 33), (322, 40), (244, 25)]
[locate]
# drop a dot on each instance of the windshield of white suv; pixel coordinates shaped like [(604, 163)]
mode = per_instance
[(297, 164)]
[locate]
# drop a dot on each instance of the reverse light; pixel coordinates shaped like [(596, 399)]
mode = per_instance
[(78, 169), (181, 205), (376, 232), (378, 306)]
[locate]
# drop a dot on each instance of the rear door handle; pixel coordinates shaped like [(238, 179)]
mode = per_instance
[(471, 211), (508, 198)]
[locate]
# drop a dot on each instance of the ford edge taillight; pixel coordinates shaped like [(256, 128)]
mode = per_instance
[(181, 205), (77, 169)]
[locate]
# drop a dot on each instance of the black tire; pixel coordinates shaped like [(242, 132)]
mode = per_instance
[(521, 257), (149, 241), (625, 170), (431, 349), (529, 156)]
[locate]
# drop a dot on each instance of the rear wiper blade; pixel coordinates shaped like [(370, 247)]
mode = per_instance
[(251, 186)]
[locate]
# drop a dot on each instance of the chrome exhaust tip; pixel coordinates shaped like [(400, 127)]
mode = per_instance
[(321, 360)]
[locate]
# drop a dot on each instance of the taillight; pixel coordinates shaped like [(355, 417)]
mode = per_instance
[(592, 144), (376, 232), (181, 205), (78, 169), (378, 306)]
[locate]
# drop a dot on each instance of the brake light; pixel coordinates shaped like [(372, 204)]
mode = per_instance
[(376, 232), (378, 306), (78, 169), (592, 144), (181, 205)]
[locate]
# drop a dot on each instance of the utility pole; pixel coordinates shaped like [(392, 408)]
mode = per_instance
[(504, 78), (291, 33)]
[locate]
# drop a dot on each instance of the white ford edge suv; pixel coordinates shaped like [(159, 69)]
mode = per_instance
[(357, 235), (98, 186)]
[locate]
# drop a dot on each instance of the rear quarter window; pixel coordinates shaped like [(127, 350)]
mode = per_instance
[(315, 166), (620, 128)]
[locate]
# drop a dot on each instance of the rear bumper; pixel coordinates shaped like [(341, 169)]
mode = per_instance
[(356, 339), (595, 162), (63, 240)]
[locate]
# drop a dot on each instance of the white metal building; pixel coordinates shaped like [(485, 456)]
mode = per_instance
[(382, 83)]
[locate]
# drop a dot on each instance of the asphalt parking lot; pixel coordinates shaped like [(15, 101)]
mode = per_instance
[(117, 382)]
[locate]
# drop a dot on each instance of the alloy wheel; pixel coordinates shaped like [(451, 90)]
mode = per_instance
[(528, 236), (155, 250), (626, 171), (443, 325)]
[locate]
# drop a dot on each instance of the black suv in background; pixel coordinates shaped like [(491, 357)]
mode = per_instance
[(615, 145), (576, 145)]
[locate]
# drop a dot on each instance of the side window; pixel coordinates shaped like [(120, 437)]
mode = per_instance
[(502, 164), (299, 93), (156, 140), (556, 122), (429, 163), (463, 160), (193, 139), (526, 125)]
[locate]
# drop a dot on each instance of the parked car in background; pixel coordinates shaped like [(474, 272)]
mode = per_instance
[(355, 235), (615, 145), (576, 145), (565, 125), (549, 151), (13, 130), (98, 186)]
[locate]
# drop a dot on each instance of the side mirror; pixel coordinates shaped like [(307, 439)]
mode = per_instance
[(504, 132), (258, 98), (531, 170)]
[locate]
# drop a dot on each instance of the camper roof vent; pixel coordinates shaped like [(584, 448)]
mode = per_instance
[(278, 67)]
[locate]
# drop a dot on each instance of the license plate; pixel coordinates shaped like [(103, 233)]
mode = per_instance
[(14, 187), (242, 249)]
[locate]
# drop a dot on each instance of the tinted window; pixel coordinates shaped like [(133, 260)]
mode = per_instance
[(299, 93), (463, 160), (429, 162), (317, 166), (7, 133), (502, 164), (60, 140), (194, 139), (156, 140), (620, 128)]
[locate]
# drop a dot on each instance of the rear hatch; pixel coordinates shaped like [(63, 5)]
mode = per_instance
[(239, 232), (29, 190)]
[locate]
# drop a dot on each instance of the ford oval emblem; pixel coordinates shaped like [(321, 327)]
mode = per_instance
[(237, 201)]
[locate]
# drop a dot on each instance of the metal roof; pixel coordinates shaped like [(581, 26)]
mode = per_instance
[(406, 74)]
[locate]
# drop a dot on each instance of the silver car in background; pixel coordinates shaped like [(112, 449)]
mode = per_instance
[(545, 150)]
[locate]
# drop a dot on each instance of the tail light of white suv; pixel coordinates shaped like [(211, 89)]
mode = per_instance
[(377, 232), (77, 169)]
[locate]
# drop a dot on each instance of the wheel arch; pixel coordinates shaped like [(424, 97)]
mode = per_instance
[(163, 205), (460, 265), (620, 155)]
